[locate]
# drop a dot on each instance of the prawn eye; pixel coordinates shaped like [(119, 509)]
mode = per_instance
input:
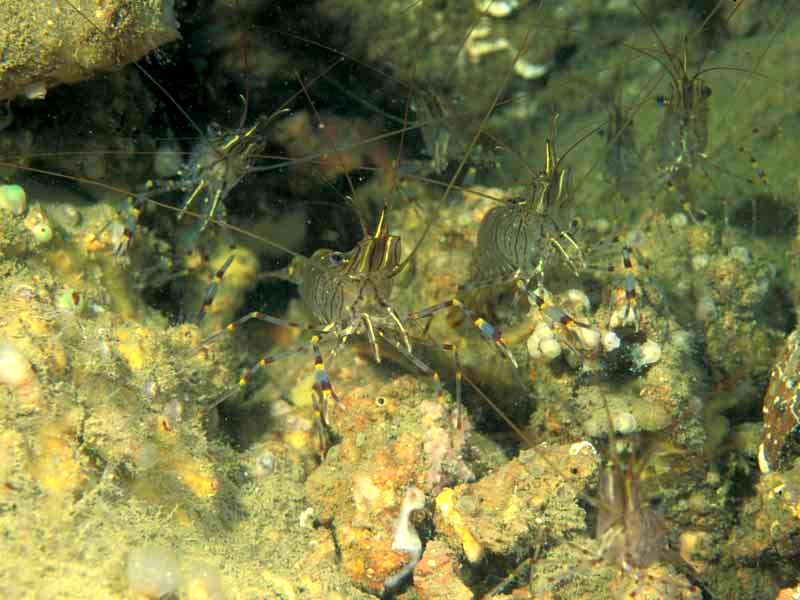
[(336, 259)]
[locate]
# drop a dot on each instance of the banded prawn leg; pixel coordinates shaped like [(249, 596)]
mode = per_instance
[(134, 213), (367, 319), (323, 393), (425, 369), (580, 337), (137, 203), (125, 238), (213, 288), (625, 296), (421, 366), (489, 332), (626, 292)]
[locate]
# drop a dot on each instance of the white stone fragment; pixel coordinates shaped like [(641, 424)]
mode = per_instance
[(307, 518), (406, 538), (611, 341)]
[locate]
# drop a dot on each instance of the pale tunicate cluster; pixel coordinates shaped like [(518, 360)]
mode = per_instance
[(576, 301), (543, 343)]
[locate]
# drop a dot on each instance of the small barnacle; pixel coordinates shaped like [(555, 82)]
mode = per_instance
[(645, 354), (17, 373), (588, 337), (679, 220), (39, 225), (610, 341), (625, 423), (542, 343), (151, 392), (550, 348), (71, 300), (69, 215), (24, 293), (700, 261), (264, 465), (581, 448)]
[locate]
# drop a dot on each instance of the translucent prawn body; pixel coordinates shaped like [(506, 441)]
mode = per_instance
[(682, 135), (216, 166), (337, 286), (519, 237), (630, 532)]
